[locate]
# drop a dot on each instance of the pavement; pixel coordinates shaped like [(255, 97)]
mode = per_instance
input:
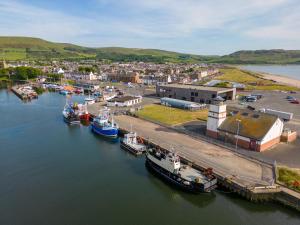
[(246, 172), (284, 154)]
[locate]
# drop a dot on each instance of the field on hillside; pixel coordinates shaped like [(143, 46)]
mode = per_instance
[(171, 116), (251, 80)]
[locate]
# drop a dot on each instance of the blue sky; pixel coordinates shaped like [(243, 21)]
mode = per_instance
[(191, 26)]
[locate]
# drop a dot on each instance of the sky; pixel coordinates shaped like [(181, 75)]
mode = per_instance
[(205, 27)]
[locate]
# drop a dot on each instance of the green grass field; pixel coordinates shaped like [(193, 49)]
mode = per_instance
[(252, 81), (171, 116), (289, 177)]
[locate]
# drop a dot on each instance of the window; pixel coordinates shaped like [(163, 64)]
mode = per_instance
[(192, 93), (196, 93), (192, 99), (213, 95)]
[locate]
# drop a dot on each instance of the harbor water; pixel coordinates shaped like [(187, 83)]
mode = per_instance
[(54, 174), (291, 71)]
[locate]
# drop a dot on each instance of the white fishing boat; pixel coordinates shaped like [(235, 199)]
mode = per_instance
[(90, 100), (133, 144)]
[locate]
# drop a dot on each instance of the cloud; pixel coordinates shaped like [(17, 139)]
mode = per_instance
[(155, 23)]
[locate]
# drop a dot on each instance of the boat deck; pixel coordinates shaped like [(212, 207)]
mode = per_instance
[(191, 174)]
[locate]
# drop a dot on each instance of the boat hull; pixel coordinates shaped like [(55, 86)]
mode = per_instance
[(113, 132), (130, 149), (173, 179), (72, 120)]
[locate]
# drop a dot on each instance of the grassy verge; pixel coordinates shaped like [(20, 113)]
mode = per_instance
[(253, 81), (291, 178), (171, 116)]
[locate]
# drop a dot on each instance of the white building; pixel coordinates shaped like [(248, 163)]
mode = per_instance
[(125, 101), (251, 130)]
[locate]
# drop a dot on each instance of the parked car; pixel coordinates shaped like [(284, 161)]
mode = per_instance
[(295, 102), (258, 96), (293, 92), (291, 98)]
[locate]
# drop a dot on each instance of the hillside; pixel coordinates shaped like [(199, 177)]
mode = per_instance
[(20, 48), (276, 56)]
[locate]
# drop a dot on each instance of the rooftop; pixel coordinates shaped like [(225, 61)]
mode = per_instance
[(196, 87), (123, 99), (254, 125)]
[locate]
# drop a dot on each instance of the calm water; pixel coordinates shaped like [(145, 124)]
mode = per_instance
[(292, 71), (54, 174)]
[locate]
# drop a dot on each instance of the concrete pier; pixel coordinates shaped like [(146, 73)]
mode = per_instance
[(248, 178)]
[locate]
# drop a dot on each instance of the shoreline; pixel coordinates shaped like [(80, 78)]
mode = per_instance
[(280, 79)]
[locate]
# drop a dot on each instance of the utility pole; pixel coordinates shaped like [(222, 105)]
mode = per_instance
[(237, 133)]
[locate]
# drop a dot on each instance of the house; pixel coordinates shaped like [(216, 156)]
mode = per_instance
[(251, 130), (124, 76), (124, 101)]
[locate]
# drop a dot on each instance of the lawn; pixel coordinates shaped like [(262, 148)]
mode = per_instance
[(171, 116), (290, 178)]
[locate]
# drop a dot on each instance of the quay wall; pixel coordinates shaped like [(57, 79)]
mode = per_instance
[(251, 194)]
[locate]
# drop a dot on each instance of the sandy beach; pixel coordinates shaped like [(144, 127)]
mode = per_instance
[(281, 79)]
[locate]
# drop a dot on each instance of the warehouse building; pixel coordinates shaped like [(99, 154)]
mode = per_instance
[(251, 130), (193, 93)]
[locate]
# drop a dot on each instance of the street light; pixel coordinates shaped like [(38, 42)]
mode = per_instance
[(237, 133)]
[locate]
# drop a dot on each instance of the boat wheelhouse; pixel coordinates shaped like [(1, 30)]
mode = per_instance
[(133, 144)]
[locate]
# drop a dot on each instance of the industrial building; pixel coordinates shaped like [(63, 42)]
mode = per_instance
[(251, 130), (193, 93), (181, 104)]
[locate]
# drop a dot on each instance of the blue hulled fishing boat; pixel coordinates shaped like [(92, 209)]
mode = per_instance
[(101, 125)]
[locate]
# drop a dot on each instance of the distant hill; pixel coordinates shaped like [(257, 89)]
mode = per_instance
[(275, 56), (20, 48)]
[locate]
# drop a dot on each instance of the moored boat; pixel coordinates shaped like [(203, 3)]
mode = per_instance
[(89, 100), (70, 115), (101, 125), (168, 166), (131, 143)]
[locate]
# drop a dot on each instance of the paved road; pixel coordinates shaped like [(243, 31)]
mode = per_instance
[(224, 162)]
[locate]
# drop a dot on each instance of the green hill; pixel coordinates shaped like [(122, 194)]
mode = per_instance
[(21, 48), (18, 48), (275, 56)]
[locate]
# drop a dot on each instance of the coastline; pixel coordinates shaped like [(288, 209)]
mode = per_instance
[(281, 79)]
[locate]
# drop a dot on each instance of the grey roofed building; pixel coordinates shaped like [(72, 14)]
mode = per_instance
[(194, 93)]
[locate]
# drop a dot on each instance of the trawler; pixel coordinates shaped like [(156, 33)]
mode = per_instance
[(101, 125), (168, 166), (131, 143)]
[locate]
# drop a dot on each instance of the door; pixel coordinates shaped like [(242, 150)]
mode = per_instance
[(253, 145)]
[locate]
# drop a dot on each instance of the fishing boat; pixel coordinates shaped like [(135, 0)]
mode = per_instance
[(169, 168), (70, 114), (133, 144), (83, 112), (90, 100), (101, 125)]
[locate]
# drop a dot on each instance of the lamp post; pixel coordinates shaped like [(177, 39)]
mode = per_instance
[(237, 133)]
